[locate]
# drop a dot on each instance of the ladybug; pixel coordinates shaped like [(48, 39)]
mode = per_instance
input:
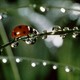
[(20, 31)]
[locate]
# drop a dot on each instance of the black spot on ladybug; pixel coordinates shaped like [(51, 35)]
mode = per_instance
[(15, 33), (24, 32), (20, 27), (26, 26)]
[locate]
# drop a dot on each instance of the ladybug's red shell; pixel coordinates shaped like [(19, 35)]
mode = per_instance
[(19, 31)]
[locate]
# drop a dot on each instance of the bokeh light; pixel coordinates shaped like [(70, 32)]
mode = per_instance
[(4, 60), (33, 64)]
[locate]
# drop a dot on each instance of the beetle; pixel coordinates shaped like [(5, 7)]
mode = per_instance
[(22, 31)]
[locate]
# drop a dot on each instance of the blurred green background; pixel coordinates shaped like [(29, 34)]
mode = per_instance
[(41, 15)]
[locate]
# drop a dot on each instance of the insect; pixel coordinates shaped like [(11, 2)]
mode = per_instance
[(22, 31)]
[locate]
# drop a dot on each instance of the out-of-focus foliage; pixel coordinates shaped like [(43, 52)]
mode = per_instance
[(21, 12)]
